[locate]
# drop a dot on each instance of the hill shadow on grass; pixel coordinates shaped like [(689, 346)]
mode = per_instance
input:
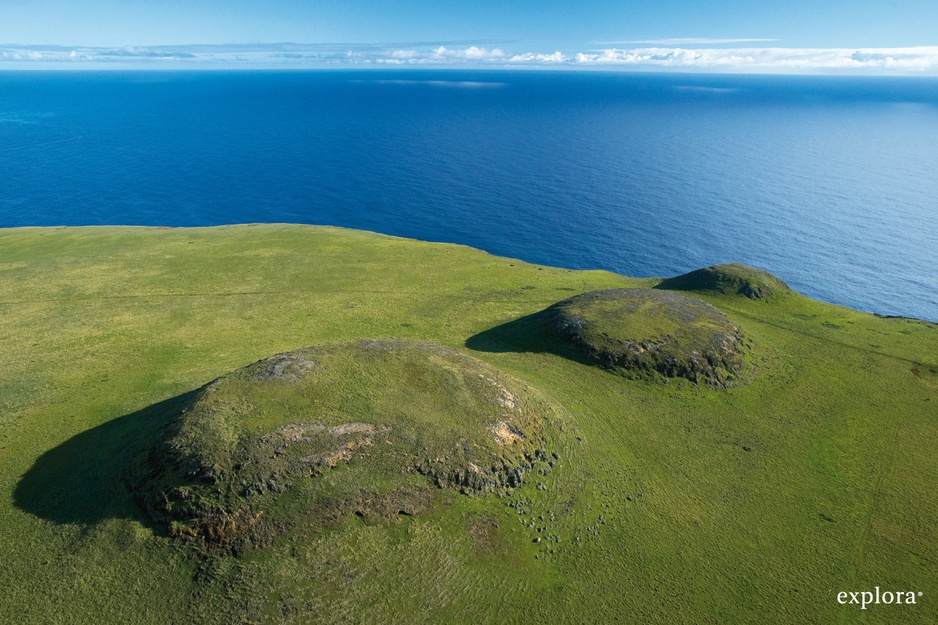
[(82, 481), (535, 333)]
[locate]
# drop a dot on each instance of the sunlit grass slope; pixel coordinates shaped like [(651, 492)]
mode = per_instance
[(667, 502)]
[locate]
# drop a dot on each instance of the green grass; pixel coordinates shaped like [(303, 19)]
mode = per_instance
[(669, 503)]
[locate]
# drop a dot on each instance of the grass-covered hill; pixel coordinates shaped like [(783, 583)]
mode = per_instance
[(299, 441), (291, 424), (644, 332)]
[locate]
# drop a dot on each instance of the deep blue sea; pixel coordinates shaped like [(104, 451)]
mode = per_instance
[(829, 183)]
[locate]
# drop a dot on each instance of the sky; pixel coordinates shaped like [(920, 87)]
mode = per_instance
[(878, 36)]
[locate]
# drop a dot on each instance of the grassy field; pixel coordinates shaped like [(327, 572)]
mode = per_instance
[(670, 503)]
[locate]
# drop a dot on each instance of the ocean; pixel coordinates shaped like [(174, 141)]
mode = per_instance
[(830, 183)]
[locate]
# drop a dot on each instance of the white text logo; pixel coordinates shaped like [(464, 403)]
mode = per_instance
[(876, 597)]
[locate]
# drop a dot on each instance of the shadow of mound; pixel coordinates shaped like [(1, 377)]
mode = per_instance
[(82, 481), (535, 333)]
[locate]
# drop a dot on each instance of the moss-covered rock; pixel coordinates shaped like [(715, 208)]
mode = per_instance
[(643, 333), (729, 279), (307, 437)]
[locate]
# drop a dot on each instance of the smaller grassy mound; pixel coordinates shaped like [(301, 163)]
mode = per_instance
[(305, 438), (645, 333), (729, 279)]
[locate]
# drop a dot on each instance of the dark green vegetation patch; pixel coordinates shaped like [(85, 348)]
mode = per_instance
[(308, 437), (642, 333), (728, 279)]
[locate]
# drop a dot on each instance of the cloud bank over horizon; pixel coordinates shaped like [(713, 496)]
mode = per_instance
[(689, 55)]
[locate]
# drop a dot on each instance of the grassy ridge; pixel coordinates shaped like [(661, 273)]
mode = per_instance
[(672, 503)]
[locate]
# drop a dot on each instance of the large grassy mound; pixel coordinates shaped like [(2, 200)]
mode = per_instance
[(640, 332), (309, 436), (731, 278)]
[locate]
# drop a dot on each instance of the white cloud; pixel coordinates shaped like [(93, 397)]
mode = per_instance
[(683, 41), (751, 59), (920, 59), (471, 53), (439, 55), (532, 57), (47, 54)]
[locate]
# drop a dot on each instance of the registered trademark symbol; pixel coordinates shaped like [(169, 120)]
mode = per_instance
[(920, 593)]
